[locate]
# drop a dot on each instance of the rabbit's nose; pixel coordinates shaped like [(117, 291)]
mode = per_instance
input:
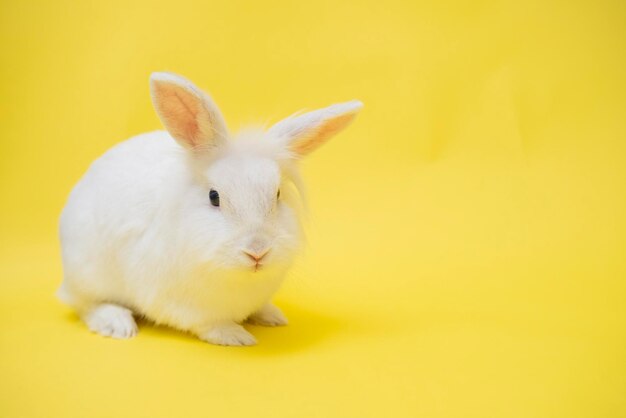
[(256, 256)]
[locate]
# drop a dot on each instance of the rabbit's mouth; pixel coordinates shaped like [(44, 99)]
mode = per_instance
[(256, 258)]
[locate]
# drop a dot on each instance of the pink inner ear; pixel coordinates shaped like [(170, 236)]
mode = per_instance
[(320, 134), (179, 110)]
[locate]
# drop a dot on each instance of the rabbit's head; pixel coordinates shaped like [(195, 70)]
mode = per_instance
[(247, 184)]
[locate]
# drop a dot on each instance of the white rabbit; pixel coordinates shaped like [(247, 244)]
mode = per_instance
[(189, 227)]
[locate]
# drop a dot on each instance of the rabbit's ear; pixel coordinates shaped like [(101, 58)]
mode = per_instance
[(188, 113), (305, 132)]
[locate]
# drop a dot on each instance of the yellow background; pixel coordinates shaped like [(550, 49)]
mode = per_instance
[(468, 232)]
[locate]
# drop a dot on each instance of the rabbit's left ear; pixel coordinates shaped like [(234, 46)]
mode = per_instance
[(189, 114), (303, 133)]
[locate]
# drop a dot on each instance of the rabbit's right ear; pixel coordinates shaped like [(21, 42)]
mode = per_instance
[(303, 133), (188, 113)]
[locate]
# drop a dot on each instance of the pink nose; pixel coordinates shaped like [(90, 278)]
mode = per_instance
[(256, 256)]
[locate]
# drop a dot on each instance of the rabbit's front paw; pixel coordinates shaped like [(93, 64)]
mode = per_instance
[(228, 334), (111, 321), (269, 316)]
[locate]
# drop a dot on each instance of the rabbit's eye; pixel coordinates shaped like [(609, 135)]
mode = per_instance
[(215, 197), (278, 194)]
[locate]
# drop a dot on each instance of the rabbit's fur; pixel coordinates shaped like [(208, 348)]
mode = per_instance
[(141, 235)]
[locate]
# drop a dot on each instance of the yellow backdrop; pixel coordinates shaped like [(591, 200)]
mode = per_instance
[(468, 232)]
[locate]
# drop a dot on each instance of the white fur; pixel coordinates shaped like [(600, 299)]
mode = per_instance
[(139, 233), (111, 321), (269, 316)]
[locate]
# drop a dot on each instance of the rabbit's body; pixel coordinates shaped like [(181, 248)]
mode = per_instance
[(122, 244), (146, 231)]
